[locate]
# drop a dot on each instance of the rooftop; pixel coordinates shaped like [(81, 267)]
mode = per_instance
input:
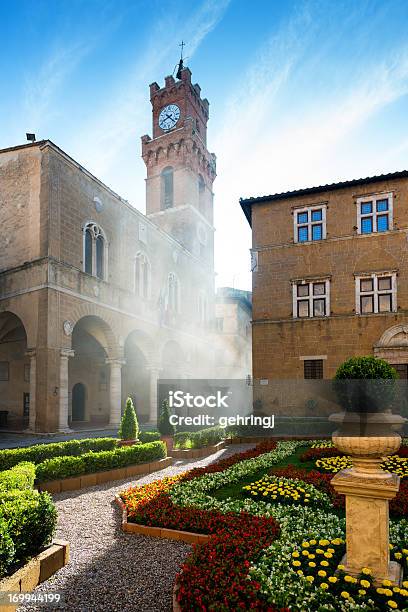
[(246, 203)]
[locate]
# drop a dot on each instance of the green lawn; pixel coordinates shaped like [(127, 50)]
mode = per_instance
[(235, 490)]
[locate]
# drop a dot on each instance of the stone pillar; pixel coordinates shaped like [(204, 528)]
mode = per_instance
[(65, 354), (115, 391), (33, 389), (154, 376), (367, 523)]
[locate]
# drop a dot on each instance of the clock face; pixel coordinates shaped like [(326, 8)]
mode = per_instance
[(169, 115)]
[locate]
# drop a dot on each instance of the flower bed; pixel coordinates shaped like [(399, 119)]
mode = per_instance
[(185, 440), (247, 562), (397, 465)]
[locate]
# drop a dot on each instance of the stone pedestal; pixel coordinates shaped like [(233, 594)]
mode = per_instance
[(367, 523)]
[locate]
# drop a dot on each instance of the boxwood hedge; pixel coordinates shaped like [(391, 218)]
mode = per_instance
[(27, 518), (199, 439), (40, 452), (62, 467)]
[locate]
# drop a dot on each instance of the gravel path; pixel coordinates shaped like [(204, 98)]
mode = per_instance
[(110, 570)]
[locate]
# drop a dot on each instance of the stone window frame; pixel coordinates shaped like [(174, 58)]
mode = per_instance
[(311, 297), (167, 188), (96, 232), (309, 224), (375, 293), (142, 291), (374, 198)]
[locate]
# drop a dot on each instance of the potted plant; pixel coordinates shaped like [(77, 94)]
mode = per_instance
[(129, 427), (166, 429)]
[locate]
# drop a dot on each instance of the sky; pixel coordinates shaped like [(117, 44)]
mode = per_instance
[(301, 93)]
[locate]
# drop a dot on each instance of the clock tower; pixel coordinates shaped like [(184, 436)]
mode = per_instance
[(180, 170)]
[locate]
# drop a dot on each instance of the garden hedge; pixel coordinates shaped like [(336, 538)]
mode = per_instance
[(63, 467), (20, 477), (40, 452), (27, 518), (149, 436), (199, 439)]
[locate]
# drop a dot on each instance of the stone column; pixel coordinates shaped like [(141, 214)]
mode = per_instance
[(33, 389), (115, 391), (367, 523), (65, 354), (154, 376)]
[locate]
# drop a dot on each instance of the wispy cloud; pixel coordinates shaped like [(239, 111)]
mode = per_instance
[(124, 113), (283, 130)]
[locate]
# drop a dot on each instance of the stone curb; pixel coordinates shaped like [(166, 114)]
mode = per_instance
[(159, 532), (37, 570), (197, 453), (89, 480)]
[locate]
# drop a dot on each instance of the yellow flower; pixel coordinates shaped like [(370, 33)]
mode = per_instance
[(311, 556), (396, 589), (324, 585), (392, 603), (295, 554), (362, 592), (305, 552), (312, 542), (398, 555), (386, 583), (305, 544), (319, 551), (309, 578), (380, 591), (299, 572), (341, 567), (348, 578), (405, 584), (331, 550), (328, 555), (322, 573), (324, 542), (297, 563), (345, 594), (333, 579), (312, 564), (365, 584), (366, 571), (387, 592), (324, 563)]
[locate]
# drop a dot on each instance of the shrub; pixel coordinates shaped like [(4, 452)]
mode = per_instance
[(20, 477), (149, 436), (40, 452), (7, 549), (165, 427), (129, 427), (62, 467), (365, 384), (199, 439), (31, 519)]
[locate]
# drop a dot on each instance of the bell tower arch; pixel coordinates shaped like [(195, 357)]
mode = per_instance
[(180, 169)]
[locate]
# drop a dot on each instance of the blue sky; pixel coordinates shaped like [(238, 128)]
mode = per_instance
[(301, 92)]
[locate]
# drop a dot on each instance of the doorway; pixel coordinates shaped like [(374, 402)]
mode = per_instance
[(78, 402)]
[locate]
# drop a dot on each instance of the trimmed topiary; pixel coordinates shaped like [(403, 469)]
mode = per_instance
[(129, 427), (165, 427), (365, 384)]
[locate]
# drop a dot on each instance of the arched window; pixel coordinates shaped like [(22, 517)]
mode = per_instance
[(88, 251), (95, 250), (201, 194), (142, 276), (173, 293), (167, 187), (202, 307)]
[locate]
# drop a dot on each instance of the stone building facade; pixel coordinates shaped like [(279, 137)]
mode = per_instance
[(97, 300), (330, 279)]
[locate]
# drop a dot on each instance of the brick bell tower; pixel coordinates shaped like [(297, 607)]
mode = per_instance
[(180, 170)]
